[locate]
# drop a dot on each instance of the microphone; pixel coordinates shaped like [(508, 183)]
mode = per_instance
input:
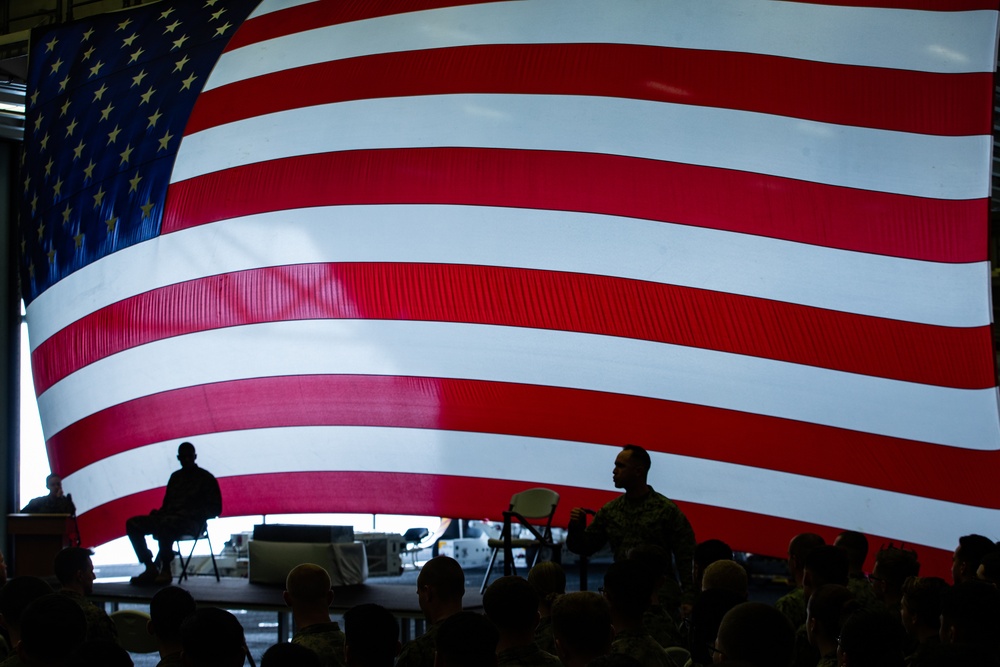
[(69, 497)]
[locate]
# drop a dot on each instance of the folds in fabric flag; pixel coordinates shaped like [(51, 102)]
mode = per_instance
[(413, 257)]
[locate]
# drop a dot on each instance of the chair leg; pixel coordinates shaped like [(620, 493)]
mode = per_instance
[(212, 552), (186, 563), (489, 568)]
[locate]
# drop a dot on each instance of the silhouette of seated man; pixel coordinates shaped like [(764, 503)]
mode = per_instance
[(54, 503), (192, 497)]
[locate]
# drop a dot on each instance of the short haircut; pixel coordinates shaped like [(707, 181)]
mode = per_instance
[(466, 639), (802, 544), (52, 627), (871, 638), (629, 587), (445, 575), (991, 567), (308, 583), (856, 546), (51, 477), (212, 637), (895, 565), (512, 604), (290, 655), (167, 611), (830, 605), (548, 578), (185, 449), (640, 455), (69, 561), (972, 549), (758, 634), (657, 560), (709, 551), (924, 596), (973, 608), (709, 609), (582, 621), (828, 565), (372, 634), (17, 594), (728, 575)]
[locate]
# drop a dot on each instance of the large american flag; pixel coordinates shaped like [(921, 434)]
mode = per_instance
[(413, 256)]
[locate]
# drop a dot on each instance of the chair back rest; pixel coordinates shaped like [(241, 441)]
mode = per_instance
[(132, 633), (538, 503)]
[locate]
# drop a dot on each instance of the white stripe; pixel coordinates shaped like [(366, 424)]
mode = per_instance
[(944, 42), (952, 417), (534, 461), (856, 157), (909, 290), (271, 6)]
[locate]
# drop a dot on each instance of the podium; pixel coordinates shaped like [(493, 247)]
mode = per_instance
[(35, 539)]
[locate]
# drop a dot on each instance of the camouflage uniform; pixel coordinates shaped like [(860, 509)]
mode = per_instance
[(544, 639), (191, 498), (325, 640), (99, 624), (806, 655), (13, 660), (420, 651), (49, 505), (793, 606), (661, 627), (526, 656), (653, 519), (828, 660), (862, 590), (642, 647)]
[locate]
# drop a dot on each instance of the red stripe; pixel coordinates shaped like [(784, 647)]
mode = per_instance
[(334, 12), (900, 100), (874, 222), (389, 493), (601, 305), (904, 466)]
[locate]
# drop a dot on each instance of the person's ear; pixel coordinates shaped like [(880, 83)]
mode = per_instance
[(287, 598)]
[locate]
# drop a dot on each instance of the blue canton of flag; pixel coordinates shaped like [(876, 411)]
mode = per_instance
[(108, 99)]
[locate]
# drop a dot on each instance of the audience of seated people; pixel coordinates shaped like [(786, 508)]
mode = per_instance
[(75, 571), (581, 623), (793, 605), (440, 589), (511, 604), (549, 581), (628, 587), (372, 636), (855, 545), (893, 565), (656, 619), (167, 611), (308, 593), (907, 620)]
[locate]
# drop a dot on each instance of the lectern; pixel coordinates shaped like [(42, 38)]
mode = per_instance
[(35, 540)]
